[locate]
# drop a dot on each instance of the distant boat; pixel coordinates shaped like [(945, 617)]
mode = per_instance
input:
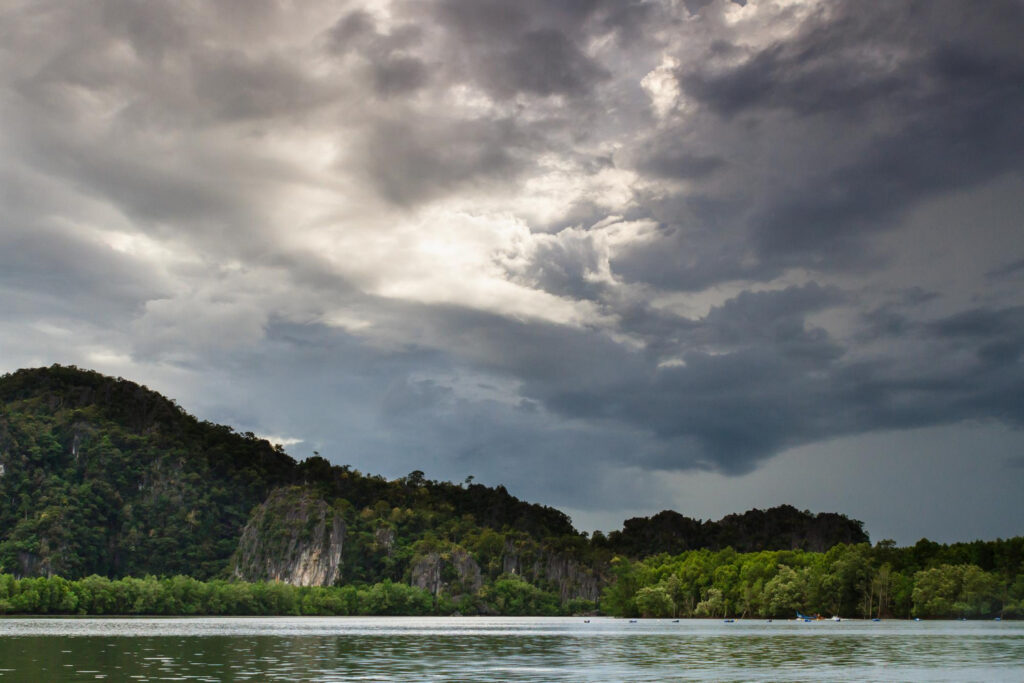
[(729, 621), (876, 619), (836, 618)]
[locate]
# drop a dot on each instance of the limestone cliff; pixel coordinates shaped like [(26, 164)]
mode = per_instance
[(562, 572), (454, 572), (295, 537)]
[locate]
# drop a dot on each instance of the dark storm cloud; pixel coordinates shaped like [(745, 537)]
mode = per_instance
[(981, 323), (237, 86), (153, 29), (544, 62), (678, 163), (767, 381), (844, 60), (412, 155), (996, 337), (914, 99), (719, 411), (564, 267), (49, 268), (957, 149), (523, 48), (693, 256), (410, 161), (1010, 270), (539, 242), (393, 70)]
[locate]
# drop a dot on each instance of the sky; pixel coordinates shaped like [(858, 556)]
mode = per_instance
[(617, 255)]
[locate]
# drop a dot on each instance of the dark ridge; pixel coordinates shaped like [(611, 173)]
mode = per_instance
[(779, 528)]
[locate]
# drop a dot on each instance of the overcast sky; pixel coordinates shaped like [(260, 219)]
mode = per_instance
[(617, 255)]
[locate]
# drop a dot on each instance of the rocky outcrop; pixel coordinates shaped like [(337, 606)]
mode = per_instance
[(454, 572), (294, 537), (570, 578), (426, 572), (384, 540)]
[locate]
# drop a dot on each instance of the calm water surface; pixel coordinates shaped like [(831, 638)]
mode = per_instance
[(505, 649)]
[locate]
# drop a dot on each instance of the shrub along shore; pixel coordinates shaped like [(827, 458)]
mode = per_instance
[(185, 596), (926, 580)]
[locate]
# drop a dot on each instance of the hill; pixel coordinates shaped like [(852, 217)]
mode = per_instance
[(780, 528), (99, 475)]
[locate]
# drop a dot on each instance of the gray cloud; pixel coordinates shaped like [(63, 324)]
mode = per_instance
[(890, 117), (1013, 269), (412, 161), (568, 247), (235, 86), (528, 48), (394, 71)]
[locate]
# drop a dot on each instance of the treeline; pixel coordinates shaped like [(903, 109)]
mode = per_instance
[(183, 595), (779, 528), (983, 579)]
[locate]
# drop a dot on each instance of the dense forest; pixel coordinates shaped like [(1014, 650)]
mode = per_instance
[(183, 595), (109, 489), (970, 580), (926, 581), (781, 528)]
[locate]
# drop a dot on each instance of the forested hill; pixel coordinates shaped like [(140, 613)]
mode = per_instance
[(780, 528), (103, 476)]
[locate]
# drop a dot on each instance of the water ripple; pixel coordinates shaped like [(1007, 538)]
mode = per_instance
[(504, 649)]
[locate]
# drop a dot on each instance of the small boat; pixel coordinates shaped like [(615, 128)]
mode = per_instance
[(876, 619), (729, 621), (836, 618)]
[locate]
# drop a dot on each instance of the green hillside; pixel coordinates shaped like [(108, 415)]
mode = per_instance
[(103, 478)]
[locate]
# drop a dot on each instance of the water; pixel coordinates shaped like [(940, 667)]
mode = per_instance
[(505, 649)]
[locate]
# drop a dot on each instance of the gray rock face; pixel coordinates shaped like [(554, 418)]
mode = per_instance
[(294, 537), (426, 573), (467, 570), (384, 540), (571, 578), (430, 570)]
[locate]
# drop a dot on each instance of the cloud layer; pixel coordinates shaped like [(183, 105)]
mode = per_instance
[(570, 247)]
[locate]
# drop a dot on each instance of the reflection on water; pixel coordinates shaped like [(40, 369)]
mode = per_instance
[(504, 649)]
